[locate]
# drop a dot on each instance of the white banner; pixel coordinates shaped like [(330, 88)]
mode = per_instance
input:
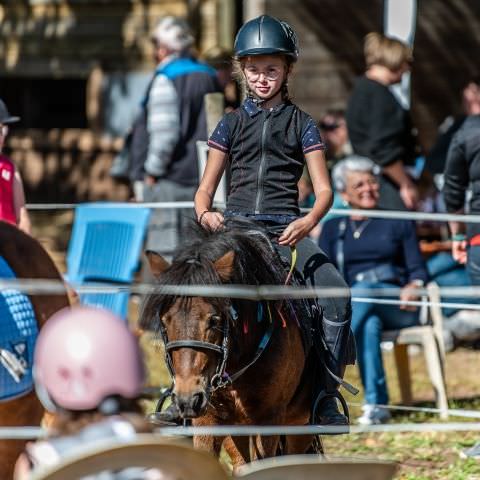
[(400, 20)]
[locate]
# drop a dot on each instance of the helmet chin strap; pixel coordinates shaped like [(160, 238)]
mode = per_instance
[(45, 399)]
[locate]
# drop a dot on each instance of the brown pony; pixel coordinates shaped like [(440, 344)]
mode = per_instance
[(207, 337), (27, 259)]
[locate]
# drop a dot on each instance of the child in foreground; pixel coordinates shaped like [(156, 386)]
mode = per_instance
[(88, 371)]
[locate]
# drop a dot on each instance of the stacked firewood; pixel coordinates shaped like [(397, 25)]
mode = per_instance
[(69, 165)]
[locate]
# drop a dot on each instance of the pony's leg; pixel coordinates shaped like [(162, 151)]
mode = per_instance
[(298, 444), (238, 449), (265, 446), (22, 411), (247, 449), (207, 442)]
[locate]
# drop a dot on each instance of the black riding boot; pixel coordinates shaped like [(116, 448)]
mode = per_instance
[(328, 403), (339, 351)]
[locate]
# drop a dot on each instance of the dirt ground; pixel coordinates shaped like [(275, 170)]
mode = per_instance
[(420, 456)]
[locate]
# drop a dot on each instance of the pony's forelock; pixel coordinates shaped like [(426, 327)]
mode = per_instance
[(255, 263)]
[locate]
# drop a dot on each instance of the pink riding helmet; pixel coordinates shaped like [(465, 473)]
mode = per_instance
[(84, 355)]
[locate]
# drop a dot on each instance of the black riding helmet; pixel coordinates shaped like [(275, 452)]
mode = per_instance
[(266, 35)]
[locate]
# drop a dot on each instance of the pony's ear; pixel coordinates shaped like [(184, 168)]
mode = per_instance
[(157, 263), (224, 265)]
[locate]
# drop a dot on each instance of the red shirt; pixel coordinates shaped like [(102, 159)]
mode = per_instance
[(7, 205)]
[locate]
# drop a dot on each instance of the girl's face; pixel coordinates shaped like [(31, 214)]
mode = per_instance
[(265, 75)]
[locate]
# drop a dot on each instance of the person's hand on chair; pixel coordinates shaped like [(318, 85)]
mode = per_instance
[(409, 294), (459, 251)]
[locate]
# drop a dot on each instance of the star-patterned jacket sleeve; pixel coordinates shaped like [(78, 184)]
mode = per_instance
[(220, 138), (311, 138)]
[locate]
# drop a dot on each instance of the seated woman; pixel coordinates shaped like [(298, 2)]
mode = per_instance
[(373, 253)]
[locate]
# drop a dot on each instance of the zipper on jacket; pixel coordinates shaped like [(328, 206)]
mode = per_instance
[(261, 166)]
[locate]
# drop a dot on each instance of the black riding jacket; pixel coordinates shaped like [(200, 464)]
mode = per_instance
[(266, 158)]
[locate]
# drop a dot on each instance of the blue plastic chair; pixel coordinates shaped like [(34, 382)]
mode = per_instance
[(105, 247)]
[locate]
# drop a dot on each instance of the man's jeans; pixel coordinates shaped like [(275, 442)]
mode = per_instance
[(368, 322), (446, 272), (473, 264), (167, 226)]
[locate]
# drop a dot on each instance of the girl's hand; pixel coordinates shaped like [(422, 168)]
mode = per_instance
[(211, 220), (459, 251), (296, 231)]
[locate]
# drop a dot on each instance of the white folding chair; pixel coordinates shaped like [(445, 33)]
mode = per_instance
[(430, 337)]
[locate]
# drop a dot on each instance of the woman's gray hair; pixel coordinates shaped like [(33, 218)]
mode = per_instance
[(353, 163)]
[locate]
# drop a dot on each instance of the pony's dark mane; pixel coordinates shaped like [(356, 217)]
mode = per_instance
[(256, 263)]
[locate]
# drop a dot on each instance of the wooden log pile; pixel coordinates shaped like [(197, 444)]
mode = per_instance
[(66, 165)]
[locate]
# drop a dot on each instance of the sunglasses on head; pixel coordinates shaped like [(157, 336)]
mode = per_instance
[(329, 126)]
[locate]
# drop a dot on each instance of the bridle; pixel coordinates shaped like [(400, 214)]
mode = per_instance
[(221, 378)]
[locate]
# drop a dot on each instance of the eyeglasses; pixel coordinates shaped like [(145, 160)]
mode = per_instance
[(272, 73), (3, 130)]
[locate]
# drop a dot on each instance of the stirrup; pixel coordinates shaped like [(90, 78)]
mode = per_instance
[(336, 395)]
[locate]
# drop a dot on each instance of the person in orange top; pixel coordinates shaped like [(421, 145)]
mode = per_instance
[(12, 196)]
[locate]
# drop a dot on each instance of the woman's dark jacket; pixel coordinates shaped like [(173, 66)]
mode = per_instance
[(380, 129), (463, 170)]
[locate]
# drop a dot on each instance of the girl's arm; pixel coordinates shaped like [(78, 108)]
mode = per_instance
[(204, 197), (21, 213), (317, 168)]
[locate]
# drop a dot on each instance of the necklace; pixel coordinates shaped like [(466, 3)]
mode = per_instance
[(357, 231)]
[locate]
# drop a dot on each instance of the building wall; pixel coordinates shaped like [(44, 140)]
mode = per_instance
[(56, 56), (67, 38)]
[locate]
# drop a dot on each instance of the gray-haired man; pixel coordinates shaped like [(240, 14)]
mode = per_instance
[(163, 148)]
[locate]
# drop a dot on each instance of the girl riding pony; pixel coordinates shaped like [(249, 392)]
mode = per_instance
[(265, 144)]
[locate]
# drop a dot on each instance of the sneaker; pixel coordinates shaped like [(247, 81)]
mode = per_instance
[(472, 452), (373, 415)]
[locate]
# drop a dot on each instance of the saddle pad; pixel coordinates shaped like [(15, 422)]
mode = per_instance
[(18, 332)]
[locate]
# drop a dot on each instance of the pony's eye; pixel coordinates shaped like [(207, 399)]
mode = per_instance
[(213, 321)]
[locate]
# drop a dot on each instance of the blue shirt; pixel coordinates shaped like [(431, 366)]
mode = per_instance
[(381, 241)]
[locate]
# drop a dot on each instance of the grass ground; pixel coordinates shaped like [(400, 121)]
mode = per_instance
[(421, 456)]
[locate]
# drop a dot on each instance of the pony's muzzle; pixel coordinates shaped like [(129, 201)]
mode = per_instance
[(191, 405)]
